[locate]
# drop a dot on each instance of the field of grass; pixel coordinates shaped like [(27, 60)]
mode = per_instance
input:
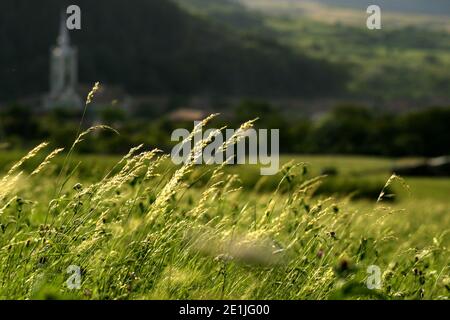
[(139, 228)]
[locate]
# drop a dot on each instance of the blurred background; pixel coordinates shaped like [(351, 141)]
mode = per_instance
[(309, 68)]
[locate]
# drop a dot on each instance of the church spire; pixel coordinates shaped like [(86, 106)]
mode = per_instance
[(63, 38), (63, 71)]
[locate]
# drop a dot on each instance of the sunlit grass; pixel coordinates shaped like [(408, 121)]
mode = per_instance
[(143, 230)]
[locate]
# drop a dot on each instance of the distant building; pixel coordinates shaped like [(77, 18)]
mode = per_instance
[(187, 114), (63, 73)]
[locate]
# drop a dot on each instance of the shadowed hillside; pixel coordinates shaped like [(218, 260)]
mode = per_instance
[(160, 50)]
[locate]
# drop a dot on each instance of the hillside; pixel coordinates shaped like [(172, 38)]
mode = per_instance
[(154, 47), (228, 12), (426, 14), (407, 60)]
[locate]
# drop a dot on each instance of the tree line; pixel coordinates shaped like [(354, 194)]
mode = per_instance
[(345, 129)]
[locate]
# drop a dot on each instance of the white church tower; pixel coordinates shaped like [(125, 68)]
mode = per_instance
[(63, 72)]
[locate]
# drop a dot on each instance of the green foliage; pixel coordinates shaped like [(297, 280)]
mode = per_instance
[(404, 63), (142, 231), (346, 129), (355, 130)]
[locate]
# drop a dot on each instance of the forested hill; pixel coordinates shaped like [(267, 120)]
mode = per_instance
[(154, 47)]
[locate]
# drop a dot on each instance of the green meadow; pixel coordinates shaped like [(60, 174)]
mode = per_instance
[(138, 227)]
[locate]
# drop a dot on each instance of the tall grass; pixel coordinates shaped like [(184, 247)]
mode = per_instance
[(143, 231)]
